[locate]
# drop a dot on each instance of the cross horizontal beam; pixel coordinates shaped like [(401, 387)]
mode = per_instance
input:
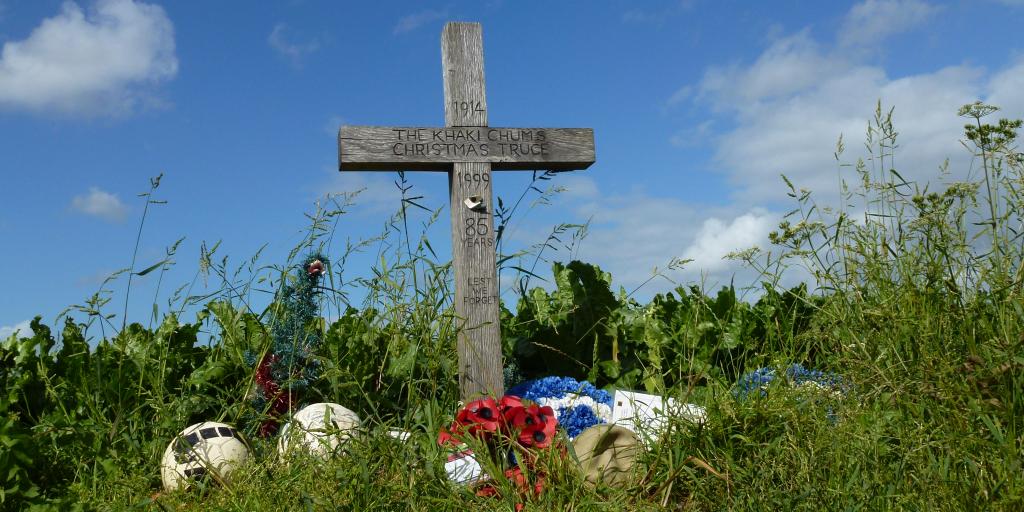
[(391, 148)]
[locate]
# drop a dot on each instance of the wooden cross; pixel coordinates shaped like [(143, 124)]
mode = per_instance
[(467, 149)]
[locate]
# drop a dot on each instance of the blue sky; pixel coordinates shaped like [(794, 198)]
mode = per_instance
[(697, 108)]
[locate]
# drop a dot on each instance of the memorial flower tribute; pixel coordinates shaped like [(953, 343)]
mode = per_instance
[(795, 375), (819, 385), (515, 431), (578, 405), (529, 425), (512, 432)]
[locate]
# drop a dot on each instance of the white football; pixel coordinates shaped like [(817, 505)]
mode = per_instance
[(204, 449), (318, 429)]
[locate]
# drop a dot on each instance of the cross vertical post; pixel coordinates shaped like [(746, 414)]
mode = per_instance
[(469, 185)]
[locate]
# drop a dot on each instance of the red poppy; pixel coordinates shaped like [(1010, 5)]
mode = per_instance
[(535, 425), (518, 480), (487, 490), (516, 476), (480, 418), (508, 402), (508, 406), (444, 437)]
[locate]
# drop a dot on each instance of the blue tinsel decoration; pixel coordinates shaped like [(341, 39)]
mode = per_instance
[(294, 341), (290, 366)]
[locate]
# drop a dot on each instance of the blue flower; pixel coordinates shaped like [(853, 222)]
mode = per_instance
[(577, 419), (756, 380), (559, 387), (798, 375), (578, 405), (795, 374)]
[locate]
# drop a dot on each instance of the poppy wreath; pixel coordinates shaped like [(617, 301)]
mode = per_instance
[(513, 431), (486, 419)]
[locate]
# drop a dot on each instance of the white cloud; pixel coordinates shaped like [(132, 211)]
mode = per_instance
[(104, 62), (681, 94), (416, 20), (791, 64), (641, 16), (294, 51), (717, 238), (578, 186), (782, 114), (870, 22), (23, 328), (796, 135), (99, 203), (1006, 89), (693, 136), (788, 107), (632, 233)]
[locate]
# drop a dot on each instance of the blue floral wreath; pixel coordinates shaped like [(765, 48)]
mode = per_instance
[(578, 405), (794, 374)]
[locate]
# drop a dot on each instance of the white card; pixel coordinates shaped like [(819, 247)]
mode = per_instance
[(641, 411), (463, 469)]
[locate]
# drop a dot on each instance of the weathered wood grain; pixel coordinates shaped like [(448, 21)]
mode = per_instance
[(390, 148), (473, 256), (462, 63), (476, 280)]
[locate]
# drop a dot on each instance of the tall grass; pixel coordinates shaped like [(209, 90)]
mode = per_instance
[(916, 301), (921, 302)]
